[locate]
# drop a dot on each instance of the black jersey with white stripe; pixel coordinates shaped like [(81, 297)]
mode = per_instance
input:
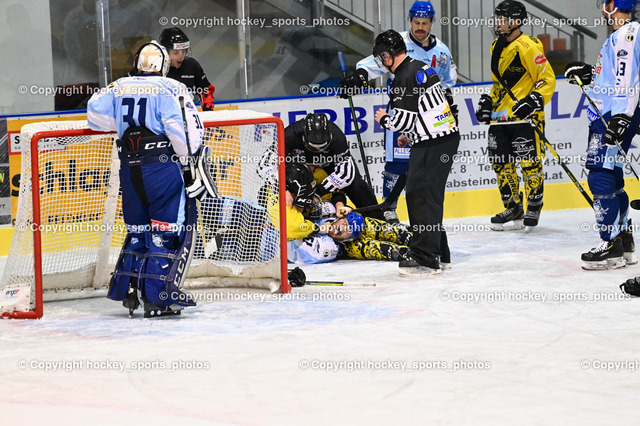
[(335, 159), (419, 107)]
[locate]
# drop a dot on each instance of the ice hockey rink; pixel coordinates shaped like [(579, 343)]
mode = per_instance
[(515, 333)]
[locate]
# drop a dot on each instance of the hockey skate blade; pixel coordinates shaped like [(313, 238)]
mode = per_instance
[(604, 265), (528, 229), (630, 258), (514, 225), (419, 271)]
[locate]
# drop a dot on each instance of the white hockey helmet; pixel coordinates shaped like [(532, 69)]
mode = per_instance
[(152, 57)]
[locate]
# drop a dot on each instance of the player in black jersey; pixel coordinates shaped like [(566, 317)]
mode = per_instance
[(185, 69), (420, 110), (318, 142)]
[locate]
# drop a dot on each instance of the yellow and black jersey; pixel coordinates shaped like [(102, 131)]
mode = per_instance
[(524, 69)]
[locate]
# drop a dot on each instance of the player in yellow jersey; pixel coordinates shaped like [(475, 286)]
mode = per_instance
[(522, 67)]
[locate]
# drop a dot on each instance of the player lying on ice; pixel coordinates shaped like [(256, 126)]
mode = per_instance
[(317, 234), (149, 113)]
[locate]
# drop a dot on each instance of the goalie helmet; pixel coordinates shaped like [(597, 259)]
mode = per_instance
[(301, 184), (422, 9), (317, 135), (388, 44), (512, 10), (626, 6), (174, 38), (152, 57)]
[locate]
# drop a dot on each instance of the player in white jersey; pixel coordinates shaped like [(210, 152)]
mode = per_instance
[(613, 84), (146, 111), (425, 47)]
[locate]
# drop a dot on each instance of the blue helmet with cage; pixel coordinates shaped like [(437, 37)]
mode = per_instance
[(422, 9), (622, 5), (356, 223)]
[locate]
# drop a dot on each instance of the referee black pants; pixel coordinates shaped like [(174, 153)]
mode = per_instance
[(429, 167)]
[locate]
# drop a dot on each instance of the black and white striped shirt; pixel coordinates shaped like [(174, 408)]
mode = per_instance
[(419, 107)]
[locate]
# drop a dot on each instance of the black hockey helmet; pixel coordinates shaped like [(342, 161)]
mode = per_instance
[(174, 38), (301, 184), (514, 11), (317, 135), (388, 43)]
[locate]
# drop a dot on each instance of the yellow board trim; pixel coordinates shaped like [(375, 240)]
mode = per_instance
[(481, 202)]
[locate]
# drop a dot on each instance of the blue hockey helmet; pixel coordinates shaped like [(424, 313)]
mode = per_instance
[(356, 223), (422, 9), (622, 5)]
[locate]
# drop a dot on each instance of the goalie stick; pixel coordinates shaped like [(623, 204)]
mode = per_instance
[(355, 124), (635, 204), (495, 58), (214, 243), (393, 196)]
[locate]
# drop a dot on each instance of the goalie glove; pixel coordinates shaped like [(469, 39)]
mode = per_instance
[(355, 80), (528, 105), (200, 178), (485, 106), (617, 129), (207, 98), (579, 69), (631, 286)]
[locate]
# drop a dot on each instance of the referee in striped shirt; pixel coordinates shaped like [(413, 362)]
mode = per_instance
[(419, 109)]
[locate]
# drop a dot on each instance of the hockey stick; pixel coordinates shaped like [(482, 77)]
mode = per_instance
[(355, 124), (216, 241), (342, 283), (635, 204), (494, 69), (392, 198)]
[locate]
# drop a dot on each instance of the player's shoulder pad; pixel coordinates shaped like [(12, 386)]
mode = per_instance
[(627, 34)]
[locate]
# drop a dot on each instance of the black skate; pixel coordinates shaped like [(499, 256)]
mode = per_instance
[(410, 266), (502, 221), (628, 245), (131, 302), (531, 219), (153, 311), (608, 255)]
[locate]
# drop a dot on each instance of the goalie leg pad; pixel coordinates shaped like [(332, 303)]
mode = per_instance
[(167, 263), (128, 266)]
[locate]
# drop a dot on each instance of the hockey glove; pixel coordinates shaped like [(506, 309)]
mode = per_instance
[(579, 69), (452, 106), (296, 277), (305, 193), (485, 106), (207, 98), (631, 286), (528, 105), (353, 83), (618, 127)]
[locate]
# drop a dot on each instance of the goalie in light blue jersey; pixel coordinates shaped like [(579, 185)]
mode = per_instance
[(425, 47), (158, 202)]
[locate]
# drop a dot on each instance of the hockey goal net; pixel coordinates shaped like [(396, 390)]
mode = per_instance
[(69, 227)]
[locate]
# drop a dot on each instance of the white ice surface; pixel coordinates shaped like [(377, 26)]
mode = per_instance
[(542, 359)]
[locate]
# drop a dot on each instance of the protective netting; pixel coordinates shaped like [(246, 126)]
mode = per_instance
[(81, 226)]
